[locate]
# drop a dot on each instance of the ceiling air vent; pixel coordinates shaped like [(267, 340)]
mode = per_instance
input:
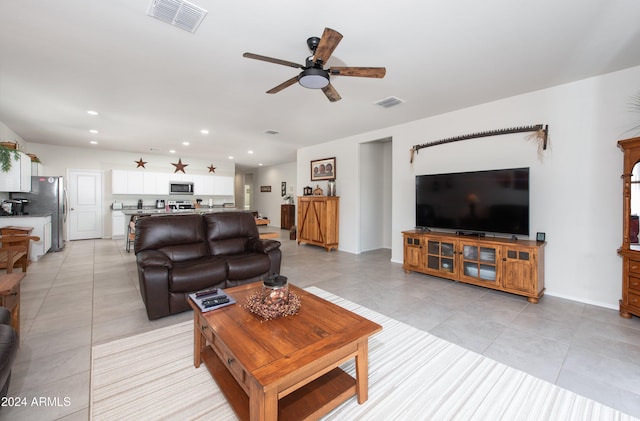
[(271, 131), (389, 102), (178, 13)]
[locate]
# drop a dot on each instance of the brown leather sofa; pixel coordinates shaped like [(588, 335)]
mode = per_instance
[(9, 343), (180, 254)]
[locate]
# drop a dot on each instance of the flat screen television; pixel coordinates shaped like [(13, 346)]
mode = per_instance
[(494, 201)]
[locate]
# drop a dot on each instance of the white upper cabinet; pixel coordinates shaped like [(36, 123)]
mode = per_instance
[(18, 179), (153, 183), (223, 185)]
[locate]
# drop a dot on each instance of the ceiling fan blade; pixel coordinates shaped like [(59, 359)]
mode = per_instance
[(283, 85), (329, 41), (377, 72), (273, 60), (331, 93)]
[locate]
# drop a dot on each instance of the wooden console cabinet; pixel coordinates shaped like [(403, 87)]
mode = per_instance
[(498, 263), (318, 220), (630, 251), (287, 216)]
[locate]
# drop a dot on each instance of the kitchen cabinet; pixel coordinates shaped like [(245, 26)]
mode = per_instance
[(203, 185), (162, 183), (117, 224), (18, 178), (223, 185), (36, 169), (118, 182), (154, 183), (41, 228)]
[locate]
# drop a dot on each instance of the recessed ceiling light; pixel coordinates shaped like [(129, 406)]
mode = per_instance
[(91, 112), (249, 152), (185, 143), (260, 164), (94, 131), (94, 142), (172, 151), (230, 157), (204, 131)]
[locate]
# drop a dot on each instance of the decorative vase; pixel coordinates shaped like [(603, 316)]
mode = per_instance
[(331, 190), (275, 289)]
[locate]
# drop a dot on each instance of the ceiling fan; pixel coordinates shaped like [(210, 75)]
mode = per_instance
[(313, 74)]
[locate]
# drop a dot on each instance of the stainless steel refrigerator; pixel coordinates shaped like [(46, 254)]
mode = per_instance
[(48, 195)]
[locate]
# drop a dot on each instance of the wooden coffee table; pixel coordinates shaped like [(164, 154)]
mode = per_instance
[(286, 368)]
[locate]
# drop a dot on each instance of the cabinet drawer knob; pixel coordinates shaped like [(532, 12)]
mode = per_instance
[(229, 360), (635, 267)]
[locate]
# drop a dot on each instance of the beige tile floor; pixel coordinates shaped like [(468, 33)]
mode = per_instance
[(88, 294)]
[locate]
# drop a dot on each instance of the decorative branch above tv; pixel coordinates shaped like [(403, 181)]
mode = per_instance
[(542, 133)]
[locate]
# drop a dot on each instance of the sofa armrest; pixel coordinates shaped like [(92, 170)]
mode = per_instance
[(260, 245), (148, 258)]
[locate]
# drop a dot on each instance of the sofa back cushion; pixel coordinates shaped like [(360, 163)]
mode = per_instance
[(180, 237), (229, 232)]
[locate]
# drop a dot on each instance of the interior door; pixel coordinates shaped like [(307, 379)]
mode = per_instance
[(85, 204)]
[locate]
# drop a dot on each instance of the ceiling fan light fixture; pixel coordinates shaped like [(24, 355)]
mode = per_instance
[(313, 78)]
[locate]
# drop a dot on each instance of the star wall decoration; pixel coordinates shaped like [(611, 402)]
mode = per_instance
[(140, 163), (212, 168), (179, 166)]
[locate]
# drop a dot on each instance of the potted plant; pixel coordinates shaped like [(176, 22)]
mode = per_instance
[(6, 153)]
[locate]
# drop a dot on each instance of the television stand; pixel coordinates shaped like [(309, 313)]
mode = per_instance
[(502, 264), (471, 233)]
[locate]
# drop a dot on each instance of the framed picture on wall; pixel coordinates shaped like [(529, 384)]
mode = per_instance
[(323, 169), (283, 189), (265, 189)]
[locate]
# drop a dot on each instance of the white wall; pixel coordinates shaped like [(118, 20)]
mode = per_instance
[(268, 204), (575, 189)]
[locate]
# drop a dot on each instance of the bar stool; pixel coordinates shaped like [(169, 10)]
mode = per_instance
[(131, 232)]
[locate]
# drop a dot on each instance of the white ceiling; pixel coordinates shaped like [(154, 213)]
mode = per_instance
[(156, 86)]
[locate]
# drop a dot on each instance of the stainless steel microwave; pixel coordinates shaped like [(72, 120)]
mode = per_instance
[(180, 187)]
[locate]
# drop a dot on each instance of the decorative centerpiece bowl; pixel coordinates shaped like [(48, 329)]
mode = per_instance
[(274, 300)]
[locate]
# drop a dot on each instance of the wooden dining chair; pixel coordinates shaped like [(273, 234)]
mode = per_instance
[(14, 251)]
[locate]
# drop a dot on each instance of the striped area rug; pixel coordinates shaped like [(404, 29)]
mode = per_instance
[(413, 375)]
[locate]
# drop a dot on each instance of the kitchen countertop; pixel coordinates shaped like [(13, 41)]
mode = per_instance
[(30, 215), (175, 212)]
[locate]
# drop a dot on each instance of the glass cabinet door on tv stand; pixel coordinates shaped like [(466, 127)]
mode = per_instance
[(479, 263), (441, 257)]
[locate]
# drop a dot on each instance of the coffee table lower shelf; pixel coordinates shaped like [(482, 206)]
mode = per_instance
[(309, 402)]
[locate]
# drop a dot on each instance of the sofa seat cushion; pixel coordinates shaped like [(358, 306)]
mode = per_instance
[(248, 265), (197, 274)]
